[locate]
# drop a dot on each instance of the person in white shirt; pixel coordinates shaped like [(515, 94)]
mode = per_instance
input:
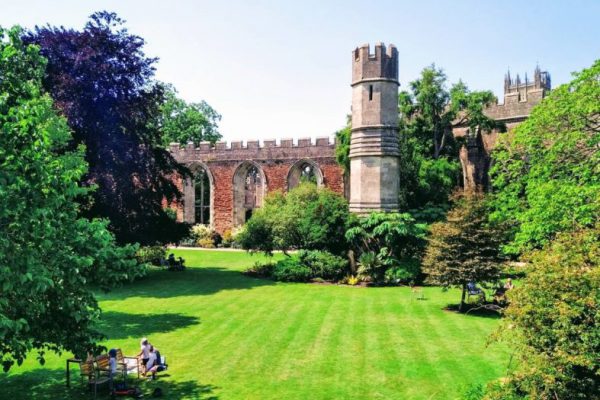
[(144, 352)]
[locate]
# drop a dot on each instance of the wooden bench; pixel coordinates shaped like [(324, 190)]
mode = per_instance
[(127, 364), (94, 377)]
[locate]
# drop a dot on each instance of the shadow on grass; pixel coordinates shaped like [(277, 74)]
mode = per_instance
[(119, 325), (49, 384), (191, 282), (474, 310)]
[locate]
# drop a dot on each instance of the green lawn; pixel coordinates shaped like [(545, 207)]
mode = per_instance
[(229, 336)]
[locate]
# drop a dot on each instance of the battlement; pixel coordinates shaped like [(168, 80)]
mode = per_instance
[(254, 150), (207, 147), (380, 65)]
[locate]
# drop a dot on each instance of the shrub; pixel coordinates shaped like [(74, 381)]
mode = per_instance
[(227, 238), (151, 254), (291, 270), (406, 272), (307, 217), (261, 269), (369, 266), (385, 240), (204, 236), (207, 243), (323, 264), (201, 231), (350, 280), (553, 322)]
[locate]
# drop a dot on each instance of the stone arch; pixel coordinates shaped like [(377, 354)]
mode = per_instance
[(249, 190), (304, 169), (199, 195)]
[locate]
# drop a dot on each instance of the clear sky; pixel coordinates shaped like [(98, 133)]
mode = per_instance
[(277, 69)]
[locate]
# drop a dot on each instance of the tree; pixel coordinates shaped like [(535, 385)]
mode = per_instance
[(182, 122), (48, 254), (553, 322), (101, 81), (307, 217), (464, 248), (429, 152), (546, 174)]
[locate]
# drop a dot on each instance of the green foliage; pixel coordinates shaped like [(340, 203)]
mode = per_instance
[(182, 122), (48, 254), (553, 322), (546, 173), (473, 392), (385, 240), (302, 267), (407, 272), (151, 254), (307, 217), (464, 248), (371, 266), (322, 264), (429, 166), (342, 147), (261, 269), (290, 269)]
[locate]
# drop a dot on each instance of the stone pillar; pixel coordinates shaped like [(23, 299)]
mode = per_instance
[(374, 146)]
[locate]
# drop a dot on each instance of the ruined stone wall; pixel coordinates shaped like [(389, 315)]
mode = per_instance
[(274, 161)]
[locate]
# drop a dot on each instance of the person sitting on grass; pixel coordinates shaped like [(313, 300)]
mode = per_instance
[(154, 363)]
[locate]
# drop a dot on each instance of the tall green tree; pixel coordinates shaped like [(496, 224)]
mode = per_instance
[(546, 172), (429, 112), (49, 255), (103, 83), (183, 122), (463, 249)]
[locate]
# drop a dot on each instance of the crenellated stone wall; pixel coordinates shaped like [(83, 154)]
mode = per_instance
[(274, 160)]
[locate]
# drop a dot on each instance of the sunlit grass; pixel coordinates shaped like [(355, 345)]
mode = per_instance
[(229, 336)]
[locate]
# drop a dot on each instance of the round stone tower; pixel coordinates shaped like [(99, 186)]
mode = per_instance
[(374, 150)]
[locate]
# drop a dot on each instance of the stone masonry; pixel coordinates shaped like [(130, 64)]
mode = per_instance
[(519, 99), (276, 163), (374, 149)]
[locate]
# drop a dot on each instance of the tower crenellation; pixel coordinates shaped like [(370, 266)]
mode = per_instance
[(383, 63)]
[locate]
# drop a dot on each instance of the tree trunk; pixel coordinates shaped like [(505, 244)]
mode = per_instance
[(462, 298)]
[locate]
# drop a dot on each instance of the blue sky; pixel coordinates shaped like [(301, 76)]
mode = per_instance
[(277, 69)]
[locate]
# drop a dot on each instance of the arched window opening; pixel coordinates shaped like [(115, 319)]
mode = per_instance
[(307, 173), (252, 191), (201, 197), (304, 171), (248, 191)]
